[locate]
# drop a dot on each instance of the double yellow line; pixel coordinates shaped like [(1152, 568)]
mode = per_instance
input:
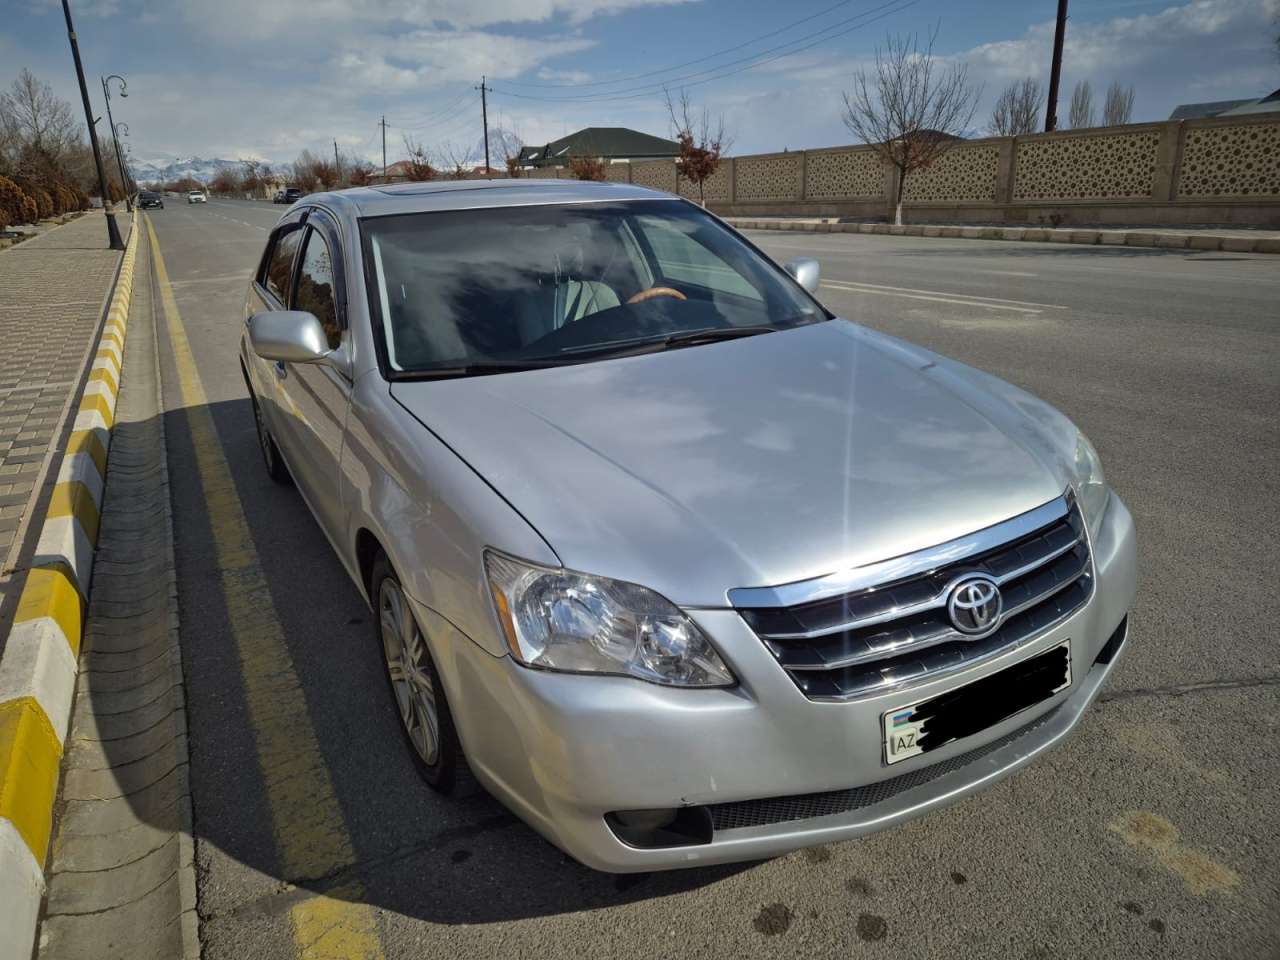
[(310, 834)]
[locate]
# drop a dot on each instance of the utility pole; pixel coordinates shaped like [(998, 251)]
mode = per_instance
[(115, 138), (113, 231), (337, 164), (1055, 71), (484, 116), (384, 146)]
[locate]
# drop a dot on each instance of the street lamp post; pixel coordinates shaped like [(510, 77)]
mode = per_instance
[(113, 231), (124, 92), (121, 129)]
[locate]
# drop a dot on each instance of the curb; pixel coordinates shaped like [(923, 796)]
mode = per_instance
[(1104, 237), (39, 664)]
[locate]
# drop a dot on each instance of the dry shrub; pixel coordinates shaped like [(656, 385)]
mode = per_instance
[(12, 203), (587, 168), (44, 203)]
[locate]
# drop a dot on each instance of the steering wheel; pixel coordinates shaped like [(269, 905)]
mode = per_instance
[(652, 292)]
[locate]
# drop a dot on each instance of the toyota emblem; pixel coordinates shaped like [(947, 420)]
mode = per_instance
[(975, 605)]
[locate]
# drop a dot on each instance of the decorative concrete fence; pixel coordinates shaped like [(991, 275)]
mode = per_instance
[(1224, 170)]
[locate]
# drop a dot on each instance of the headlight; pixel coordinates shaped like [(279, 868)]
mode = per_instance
[(1090, 485), (576, 623)]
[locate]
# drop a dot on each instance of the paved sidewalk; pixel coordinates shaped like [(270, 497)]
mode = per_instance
[(52, 295)]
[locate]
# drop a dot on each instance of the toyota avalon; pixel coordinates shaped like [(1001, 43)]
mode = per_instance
[(682, 567)]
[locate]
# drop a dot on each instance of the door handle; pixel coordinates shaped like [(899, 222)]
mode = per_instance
[(281, 370)]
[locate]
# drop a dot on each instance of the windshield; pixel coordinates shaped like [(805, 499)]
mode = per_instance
[(564, 284)]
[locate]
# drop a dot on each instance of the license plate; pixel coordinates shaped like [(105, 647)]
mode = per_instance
[(917, 728)]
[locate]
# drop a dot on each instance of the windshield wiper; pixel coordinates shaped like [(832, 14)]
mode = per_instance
[(688, 338), (475, 369)]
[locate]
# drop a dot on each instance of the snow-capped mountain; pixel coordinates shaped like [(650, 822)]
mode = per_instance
[(166, 169)]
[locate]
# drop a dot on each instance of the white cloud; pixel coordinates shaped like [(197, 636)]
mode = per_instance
[(277, 17), (430, 58)]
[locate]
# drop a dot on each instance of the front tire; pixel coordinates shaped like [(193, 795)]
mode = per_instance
[(416, 689), (271, 458)]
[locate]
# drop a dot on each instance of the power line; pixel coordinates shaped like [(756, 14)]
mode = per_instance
[(433, 116), (696, 60), (895, 6), (462, 108)]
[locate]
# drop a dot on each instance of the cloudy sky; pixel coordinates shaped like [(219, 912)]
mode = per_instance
[(266, 78)]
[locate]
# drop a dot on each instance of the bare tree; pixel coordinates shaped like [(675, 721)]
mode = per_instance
[(417, 165), (1118, 107), (304, 171), (251, 178), (1081, 114), (910, 107), (226, 181), (36, 116), (458, 159), (507, 145), (359, 173), (703, 142), (1017, 109), (326, 172)]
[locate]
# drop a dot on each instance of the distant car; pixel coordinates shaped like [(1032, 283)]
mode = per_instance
[(292, 195), (279, 197), (196, 196), (148, 199)]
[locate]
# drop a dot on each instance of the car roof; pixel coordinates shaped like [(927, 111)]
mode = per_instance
[(426, 197)]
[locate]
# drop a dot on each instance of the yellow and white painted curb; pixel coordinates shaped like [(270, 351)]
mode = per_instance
[(39, 662)]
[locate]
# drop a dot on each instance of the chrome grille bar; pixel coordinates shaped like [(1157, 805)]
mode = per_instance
[(935, 602), (895, 632)]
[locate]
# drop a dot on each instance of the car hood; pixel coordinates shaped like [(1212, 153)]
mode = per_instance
[(753, 462)]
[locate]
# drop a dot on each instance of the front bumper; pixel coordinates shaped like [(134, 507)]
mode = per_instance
[(564, 750)]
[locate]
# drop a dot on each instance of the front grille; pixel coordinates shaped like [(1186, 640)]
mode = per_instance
[(755, 813), (887, 635)]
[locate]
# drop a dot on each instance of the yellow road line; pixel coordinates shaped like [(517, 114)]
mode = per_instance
[(310, 835)]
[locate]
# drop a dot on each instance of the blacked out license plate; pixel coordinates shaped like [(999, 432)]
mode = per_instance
[(917, 728)]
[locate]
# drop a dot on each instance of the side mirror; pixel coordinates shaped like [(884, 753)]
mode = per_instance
[(288, 336), (805, 270)]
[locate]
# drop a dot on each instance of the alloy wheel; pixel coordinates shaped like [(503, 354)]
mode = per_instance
[(411, 671)]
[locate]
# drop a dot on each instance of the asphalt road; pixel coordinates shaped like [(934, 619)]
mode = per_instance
[(1151, 833)]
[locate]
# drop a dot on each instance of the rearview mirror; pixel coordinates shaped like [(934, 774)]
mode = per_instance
[(288, 336), (805, 270)]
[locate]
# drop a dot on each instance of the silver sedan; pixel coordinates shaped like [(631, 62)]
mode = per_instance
[(684, 568)]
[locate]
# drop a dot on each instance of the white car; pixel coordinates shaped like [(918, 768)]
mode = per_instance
[(197, 196)]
